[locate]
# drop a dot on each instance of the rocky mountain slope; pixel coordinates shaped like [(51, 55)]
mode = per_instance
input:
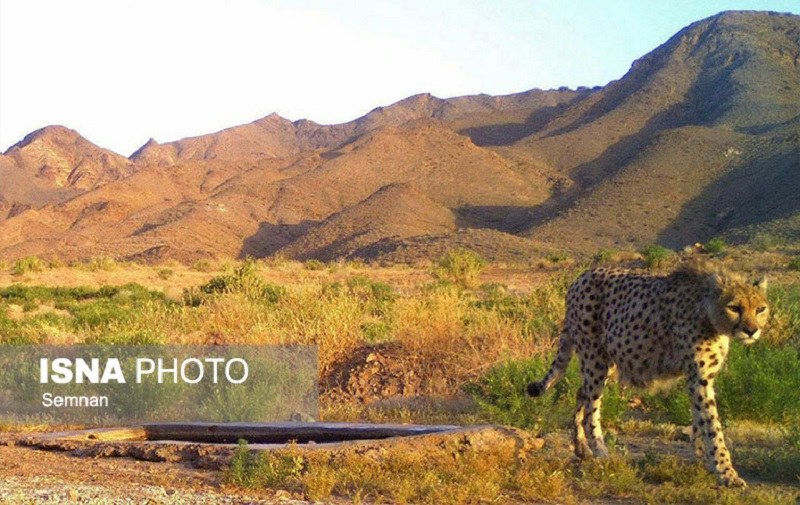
[(701, 138)]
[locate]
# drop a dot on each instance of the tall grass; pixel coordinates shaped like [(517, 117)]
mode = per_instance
[(460, 266), (492, 338)]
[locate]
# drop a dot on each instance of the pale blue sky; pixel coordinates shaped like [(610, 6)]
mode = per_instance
[(121, 71)]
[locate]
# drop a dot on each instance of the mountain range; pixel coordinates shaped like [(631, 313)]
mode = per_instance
[(699, 139)]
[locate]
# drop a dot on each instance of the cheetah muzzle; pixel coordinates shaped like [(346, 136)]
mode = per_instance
[(654, 327)]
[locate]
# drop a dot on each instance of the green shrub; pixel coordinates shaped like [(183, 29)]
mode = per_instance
[(460, 266), (794, 264), (766, 241), (603, 256), (272, 293), (243, 279), (367, 289), (165, 273), (376, 332), (715, 246), (656, 256), (314, 265), (669, 405), (64, 298), (127, 337), (557, 257), (501, 396), (26, 265), (262, 469), (55, 263), (758, 383), (784, 326), (100, 263), (203, 266)]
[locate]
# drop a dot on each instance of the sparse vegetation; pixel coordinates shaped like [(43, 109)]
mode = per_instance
[(203, 266), (557, 257), (763, 241), (603, 256), (26, 265), (656, 256), (261, 469), (489, 341), (461, 266), (100, 263), (165, 273), (467, 475), (715, 246), (314, 265), (55, 263)]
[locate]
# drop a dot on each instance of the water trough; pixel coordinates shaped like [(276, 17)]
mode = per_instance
[(211, 445)]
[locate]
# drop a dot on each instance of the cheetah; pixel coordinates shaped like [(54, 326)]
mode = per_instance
[(653, 328)]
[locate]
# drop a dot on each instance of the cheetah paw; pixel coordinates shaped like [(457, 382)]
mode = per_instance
[(732, 481)]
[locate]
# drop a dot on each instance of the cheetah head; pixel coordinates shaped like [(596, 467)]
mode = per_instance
[(739, 308)]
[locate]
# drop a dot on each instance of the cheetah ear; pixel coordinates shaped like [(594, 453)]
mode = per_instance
[(761, 284)]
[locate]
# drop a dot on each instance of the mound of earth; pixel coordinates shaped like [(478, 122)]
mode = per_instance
[(374, 373)]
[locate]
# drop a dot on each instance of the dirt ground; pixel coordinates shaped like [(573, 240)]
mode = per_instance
[(30, 475)]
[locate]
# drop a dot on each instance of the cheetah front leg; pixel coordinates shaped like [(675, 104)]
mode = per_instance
[(704, 408), (697, 438)]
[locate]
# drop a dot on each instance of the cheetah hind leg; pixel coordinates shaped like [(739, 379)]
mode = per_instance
[(593, 398), (582, 449)]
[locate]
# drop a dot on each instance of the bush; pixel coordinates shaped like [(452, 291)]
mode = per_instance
[(165, 273), (55, 263), (794, 264), (461, 266), (715, 246), (203, 266), (314, 265), (759, 383), (656, 256), (784, 326), (100, 263), (603, 256), (26, 265), (766, 241), (243, 279), (265, 469), (501, 396), (557, 257)]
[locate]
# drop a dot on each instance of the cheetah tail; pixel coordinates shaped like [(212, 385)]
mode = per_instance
[(557, 369)]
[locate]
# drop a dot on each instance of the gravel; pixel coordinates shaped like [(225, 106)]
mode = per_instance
[(50, 490)]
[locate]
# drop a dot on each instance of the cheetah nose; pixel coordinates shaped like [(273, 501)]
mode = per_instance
[(750, 331)]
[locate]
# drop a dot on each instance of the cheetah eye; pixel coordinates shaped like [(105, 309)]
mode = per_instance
[(760, 310), (737, 309)]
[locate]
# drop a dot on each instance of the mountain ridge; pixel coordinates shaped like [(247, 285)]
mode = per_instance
[(678, 150)]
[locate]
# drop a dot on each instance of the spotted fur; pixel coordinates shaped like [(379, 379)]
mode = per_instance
[(655, 327)]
